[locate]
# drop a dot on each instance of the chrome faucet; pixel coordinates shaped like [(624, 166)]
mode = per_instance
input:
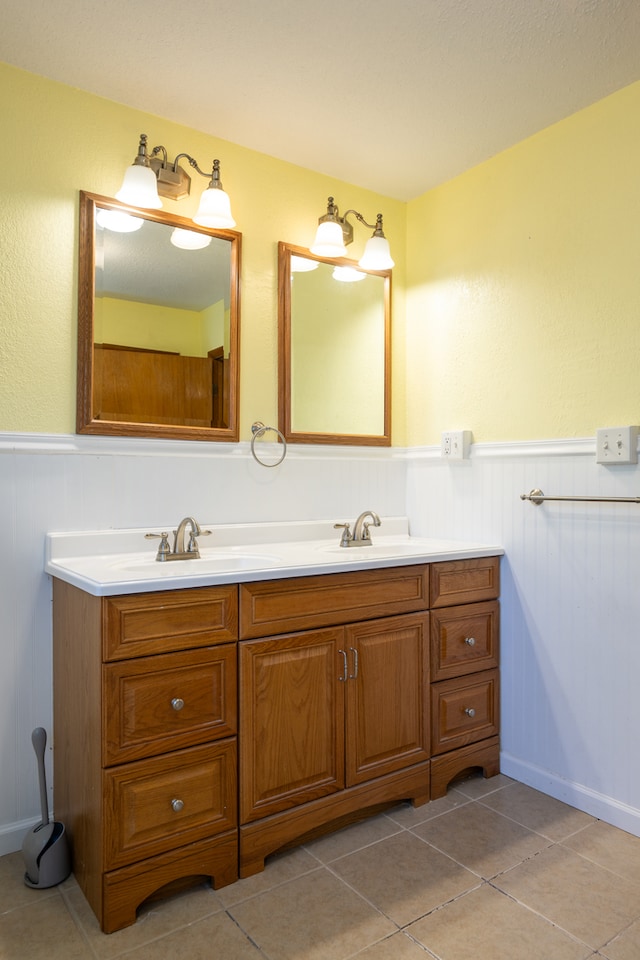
[(180, 552), (361, 536)]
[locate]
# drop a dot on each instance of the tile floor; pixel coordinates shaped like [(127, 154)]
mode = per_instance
[(493, 871)]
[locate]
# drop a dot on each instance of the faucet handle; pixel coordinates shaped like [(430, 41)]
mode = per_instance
[(346, 537), (163, 547), (193, 543)]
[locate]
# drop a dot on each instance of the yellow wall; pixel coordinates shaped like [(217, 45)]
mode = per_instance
[(517, 317), (59, 141), (154, 327), (523, 286)]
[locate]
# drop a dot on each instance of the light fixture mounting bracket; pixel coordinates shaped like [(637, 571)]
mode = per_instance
[(172, 183)]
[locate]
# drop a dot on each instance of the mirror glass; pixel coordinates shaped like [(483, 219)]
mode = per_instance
[(158, 324), (334, 350)]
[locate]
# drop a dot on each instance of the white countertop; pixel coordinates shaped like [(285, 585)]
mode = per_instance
[(111, 562)]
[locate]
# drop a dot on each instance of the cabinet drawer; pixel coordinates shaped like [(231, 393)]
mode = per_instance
[(464, 710), (160, 804), (141, 624), (464, 639), (465, 581), (155, 704), (304, 603)]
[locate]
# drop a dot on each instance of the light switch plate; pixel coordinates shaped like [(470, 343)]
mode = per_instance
[(617, 445)]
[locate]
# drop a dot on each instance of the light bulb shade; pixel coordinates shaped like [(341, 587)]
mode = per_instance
[(214, 209), (118, 221), (189, 239), (140, 188), (348, 274), (329, 241), (377, 255)]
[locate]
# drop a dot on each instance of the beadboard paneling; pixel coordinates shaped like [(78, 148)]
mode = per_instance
[(570, 610)]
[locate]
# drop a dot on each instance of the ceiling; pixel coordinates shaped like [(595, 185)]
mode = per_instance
[(394, 96)]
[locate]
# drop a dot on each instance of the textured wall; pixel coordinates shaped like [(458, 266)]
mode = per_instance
[(522, 297), (63, 141)]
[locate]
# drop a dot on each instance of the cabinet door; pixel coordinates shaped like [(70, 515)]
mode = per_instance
[(387, 695), (291, 720)]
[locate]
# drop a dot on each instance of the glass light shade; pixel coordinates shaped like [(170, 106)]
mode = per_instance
[(348, 274), (214, 209), (189, 239), (302, 264), (377, 255), (140, 188), (118, 221), (329, 241)]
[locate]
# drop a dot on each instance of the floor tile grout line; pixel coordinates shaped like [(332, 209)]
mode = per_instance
[(402, 927), (542, 916), (601, 866), (76, 921), (276, 886), (246, 934), (526, 826)]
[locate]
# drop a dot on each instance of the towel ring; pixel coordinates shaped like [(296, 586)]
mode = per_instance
[(258, 430)]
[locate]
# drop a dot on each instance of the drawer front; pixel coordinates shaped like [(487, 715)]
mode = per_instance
[(164, 803), (304, 603), (157, 704), (142, 624), (465, 581), (464, 710), (464, 639)]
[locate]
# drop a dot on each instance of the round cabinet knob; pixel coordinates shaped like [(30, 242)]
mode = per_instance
[(470, 712), (177, 805), (470, 641), (177, 703)]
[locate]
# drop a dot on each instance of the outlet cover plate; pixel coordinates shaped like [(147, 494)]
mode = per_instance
[(454, 444), (617, 445)]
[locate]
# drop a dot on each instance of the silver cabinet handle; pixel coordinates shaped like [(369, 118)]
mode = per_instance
[(470, 641), (352, 676), (470, 712), (345, 671), (177, 805), (177, 703)]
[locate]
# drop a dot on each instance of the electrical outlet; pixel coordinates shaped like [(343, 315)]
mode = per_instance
[(454, 444), (617, 445)]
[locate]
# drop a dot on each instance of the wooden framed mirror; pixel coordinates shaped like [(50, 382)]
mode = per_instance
[(158, 325), (334, 350)]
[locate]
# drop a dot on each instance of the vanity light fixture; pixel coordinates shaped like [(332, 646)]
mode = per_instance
[(348, 274), (118, 221), (189, 239), (152, 175), (335, 232), (302, 265)]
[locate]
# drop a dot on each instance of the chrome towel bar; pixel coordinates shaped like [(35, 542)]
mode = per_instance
[(537, 496)]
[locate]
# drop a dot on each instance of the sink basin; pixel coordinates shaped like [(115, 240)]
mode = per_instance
[(206, 563)]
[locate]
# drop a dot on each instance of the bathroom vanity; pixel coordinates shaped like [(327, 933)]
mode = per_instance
[(200, 727)]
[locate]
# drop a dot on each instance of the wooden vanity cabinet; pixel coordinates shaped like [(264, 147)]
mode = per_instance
[(145, 760), (465, 684), (352, 691)]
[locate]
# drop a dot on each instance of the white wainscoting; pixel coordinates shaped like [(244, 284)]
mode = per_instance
[(82, 483), (570, 610), (570, 607)]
